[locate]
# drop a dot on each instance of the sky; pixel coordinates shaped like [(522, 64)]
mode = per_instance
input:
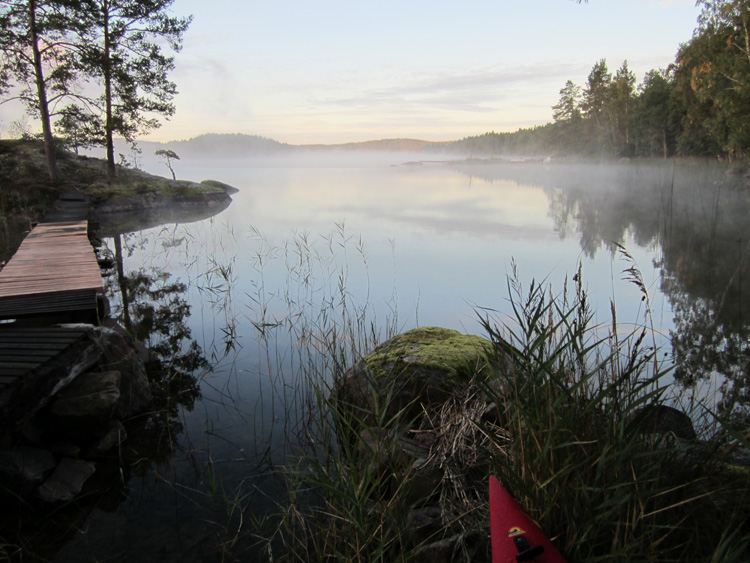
[(334, 71)]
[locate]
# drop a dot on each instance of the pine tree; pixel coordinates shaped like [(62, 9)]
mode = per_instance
[(124, 54), (37, 60), (619, 105)]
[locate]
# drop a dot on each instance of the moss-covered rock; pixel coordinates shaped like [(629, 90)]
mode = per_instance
[(417, 369), (226, 188), (431, 353)]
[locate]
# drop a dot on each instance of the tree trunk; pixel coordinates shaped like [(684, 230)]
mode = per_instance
[(123, 285), (49, 142), (108, 125)]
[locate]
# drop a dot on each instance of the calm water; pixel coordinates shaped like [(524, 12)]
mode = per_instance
[(238, 301)]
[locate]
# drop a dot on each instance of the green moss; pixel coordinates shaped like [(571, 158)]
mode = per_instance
[(122, 188), (430, 350), (189, 189), (216, 185), (102, 191)]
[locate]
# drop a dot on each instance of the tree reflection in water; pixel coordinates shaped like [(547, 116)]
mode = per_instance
[(696, 214), (154, 310), (702, 275)]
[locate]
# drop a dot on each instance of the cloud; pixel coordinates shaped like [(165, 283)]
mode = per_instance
[(478, 90)]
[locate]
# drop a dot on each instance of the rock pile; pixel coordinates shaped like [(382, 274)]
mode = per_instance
[(49, 444)]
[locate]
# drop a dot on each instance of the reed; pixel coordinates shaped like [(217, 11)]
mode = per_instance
[(584, 459), (572, 440)]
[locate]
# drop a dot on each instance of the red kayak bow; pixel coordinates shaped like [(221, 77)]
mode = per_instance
[(515, 537)]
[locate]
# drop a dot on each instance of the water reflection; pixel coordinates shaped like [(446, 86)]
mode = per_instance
[(694, 216), (153, 309), (110, 224), (231, 306)]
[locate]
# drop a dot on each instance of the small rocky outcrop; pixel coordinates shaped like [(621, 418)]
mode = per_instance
[(175, 193)]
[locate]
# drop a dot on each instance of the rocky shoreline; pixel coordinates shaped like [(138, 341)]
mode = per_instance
[(60, 422), (208, 194)]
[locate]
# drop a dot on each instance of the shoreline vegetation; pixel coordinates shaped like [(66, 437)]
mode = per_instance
[(569, 425), (27, 192)]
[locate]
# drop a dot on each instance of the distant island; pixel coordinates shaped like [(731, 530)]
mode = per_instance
[(232, 145)]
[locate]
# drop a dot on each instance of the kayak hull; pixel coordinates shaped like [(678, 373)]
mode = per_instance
[(515, 536)]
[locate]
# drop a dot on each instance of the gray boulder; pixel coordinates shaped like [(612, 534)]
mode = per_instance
[(661, 419), (87, 403)]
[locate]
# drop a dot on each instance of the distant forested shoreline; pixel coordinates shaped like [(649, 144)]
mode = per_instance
[(699, 106)]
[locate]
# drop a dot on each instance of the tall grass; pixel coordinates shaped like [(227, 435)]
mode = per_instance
[(584, 459), (571, 436)]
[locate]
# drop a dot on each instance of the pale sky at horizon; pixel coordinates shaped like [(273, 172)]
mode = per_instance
[(331, 71)]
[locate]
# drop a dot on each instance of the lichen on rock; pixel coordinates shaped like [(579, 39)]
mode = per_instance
[(429, 352), (417, 368)]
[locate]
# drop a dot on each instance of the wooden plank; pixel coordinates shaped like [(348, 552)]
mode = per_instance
[(26, 349), (55, 270), (53, 257), (23, 349), (23, 334)]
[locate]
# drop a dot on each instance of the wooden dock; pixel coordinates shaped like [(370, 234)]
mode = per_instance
[(55, 270), (23, 349), (53, 278)]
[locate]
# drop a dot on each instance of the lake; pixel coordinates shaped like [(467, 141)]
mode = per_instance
[(236, 303)]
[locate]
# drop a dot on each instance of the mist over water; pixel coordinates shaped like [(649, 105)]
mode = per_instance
[(450, 231), (412, 243)]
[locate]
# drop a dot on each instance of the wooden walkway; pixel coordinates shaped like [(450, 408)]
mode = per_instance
[(53, 278), (55, 270), (24, 349)]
